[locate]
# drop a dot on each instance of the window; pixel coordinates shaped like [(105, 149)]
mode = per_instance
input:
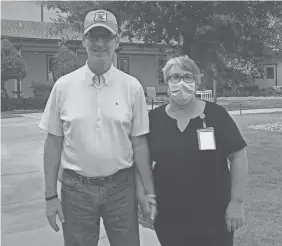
[(50, 69), (124, 64), (161, 63), (269, 72)]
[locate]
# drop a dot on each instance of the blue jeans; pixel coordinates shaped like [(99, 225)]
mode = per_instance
[(114, 200)]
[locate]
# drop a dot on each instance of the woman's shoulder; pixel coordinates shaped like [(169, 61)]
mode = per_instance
[(214, 107), (215, 111), (157, 112)]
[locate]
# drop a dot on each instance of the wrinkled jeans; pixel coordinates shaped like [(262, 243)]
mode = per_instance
[(84, 203)]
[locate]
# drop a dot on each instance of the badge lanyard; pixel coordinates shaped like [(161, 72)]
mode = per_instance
[(203, 117), (206, 137)]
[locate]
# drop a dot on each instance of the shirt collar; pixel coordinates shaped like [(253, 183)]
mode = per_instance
[(107, 75)]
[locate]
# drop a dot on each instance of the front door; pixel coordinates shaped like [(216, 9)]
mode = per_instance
[(270, 75)]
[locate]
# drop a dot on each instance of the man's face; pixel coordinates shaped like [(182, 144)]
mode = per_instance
[(100, 44)]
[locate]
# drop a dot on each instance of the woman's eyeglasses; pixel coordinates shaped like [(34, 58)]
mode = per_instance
[(175, 78)]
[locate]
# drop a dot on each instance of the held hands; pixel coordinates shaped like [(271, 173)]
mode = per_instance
[(148, 206), (234, 216), (54, 208)]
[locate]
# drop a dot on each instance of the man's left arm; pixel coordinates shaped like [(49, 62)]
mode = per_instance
[(142, 161), (139, 131)]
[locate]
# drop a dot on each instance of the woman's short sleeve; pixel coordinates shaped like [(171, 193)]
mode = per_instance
[(229, 134), (150, 130)]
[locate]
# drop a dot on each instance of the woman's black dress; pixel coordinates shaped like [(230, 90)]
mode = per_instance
[(192, 186)]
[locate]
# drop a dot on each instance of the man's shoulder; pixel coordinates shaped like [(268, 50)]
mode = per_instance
[(69, 78), (126, 78)]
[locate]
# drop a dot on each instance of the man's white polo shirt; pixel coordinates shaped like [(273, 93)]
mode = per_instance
[(96, 120)]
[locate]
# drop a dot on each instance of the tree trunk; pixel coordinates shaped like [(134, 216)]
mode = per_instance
[(215, 81), (18, 92), (4, 93), (214, 91), (187, 45), (3, 81)]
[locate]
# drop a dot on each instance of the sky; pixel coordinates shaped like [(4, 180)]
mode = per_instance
[(25, 10)]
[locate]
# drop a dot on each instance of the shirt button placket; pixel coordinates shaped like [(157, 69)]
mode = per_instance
[(98, 124), (98, 110)]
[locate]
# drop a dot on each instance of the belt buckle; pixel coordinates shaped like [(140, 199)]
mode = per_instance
[(99, 180)]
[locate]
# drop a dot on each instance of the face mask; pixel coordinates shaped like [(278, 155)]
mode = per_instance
[(181, 92)]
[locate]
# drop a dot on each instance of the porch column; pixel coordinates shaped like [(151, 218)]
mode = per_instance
[(116, 57), (19, 47), (18, 83), (76, 50)]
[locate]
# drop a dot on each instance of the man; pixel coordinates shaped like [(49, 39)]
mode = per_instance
[(96, 119)]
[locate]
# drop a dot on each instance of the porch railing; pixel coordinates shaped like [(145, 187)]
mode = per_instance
[(205, 95)]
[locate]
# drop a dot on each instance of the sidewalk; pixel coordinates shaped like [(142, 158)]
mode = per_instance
[(26, 225), (18, 113), (255, 111), (30, 227), (45, 236)]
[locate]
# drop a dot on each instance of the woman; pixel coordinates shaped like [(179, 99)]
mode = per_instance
[(200, 202)]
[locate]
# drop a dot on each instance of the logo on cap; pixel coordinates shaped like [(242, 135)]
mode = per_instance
[(100, 17)]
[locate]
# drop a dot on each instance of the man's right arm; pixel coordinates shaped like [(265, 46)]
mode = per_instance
[(52, 123), (52, 157)]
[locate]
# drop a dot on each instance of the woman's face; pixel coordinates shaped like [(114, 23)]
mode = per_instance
[(181, 85)]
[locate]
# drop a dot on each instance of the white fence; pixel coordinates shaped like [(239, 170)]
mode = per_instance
[(205, 95)]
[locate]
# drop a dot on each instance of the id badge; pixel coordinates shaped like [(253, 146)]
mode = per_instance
[(206, 139)]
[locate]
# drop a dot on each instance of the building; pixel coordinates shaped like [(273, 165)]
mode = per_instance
[(272, 71), (30, 34)]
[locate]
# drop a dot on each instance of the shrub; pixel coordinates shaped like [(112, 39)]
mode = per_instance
[(250, 88), (64, 62), (27, 103), (13, 66), (41, 90)]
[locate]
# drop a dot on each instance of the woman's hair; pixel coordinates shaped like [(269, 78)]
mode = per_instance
[(185, 63)]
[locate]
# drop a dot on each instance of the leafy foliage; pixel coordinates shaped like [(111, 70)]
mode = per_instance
[(13, 66), (70, 22), (218, 35), (64, 62)]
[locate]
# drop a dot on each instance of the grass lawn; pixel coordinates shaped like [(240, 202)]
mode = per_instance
[(233, 103), (263, 199), (230, 103)]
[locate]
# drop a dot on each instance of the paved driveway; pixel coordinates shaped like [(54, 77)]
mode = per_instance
[(23, 218)]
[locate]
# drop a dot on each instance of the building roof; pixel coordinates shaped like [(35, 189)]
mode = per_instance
[(26, 29), (37, 30)]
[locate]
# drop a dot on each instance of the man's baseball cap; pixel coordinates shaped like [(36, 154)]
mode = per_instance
[(101, 18)]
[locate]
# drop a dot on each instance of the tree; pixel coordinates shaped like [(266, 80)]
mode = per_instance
[(64, 62), (13, 66), (217, 35)]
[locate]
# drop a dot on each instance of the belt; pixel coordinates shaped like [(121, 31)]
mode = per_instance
[(98, 180)]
